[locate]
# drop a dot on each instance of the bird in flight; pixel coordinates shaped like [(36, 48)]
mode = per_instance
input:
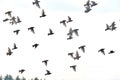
[(107, 27), (32, 29), (74, 67), (35, 45), (16, 31), (14, 47), (43, 14), (76, 32), (70, 34), (21, 71), (8, 13), (36, 2), (93, 3), (69, 19), (48, 72), (63, 22), (102, 50), (77, 56), (45, 62), (9, 51), (111, 52), (18, 20), (71, 54), (13, 20), (6, 20), (50, 32), (82, 48), (88, 9)]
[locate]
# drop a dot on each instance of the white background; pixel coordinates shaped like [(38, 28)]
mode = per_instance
[(91, 66)]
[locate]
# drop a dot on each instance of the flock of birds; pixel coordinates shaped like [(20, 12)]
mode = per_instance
[(88, 6)]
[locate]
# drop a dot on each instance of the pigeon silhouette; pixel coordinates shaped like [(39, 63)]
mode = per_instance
[(113, 28), (21, 71), (37, 3), (74, 67), (8, 13), (111, 52), (45, 62), (14, 47), (18, 20), (71, 54), (88, 9), (76, 32), (107, 27), (13, 20), (35, 45), (102, 51), (87, 3), (16, 31), (43, 14), (6, 20), (70, 37), (32, 29), (63, 22), (93, 3), (48, 72), (82, 48), (77, 56), (50, 32), (9, 52), (69, 19)]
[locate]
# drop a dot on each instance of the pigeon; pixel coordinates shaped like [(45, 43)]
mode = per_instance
[(88, 9), (69, 19), (8, 13), (32, 29), (71, 54), (16, 31), (13, 20), (93, 3), (74, 67), (113, 28), (21, 71), (35, 45), (45, 61), (9, 52), (48, 72), (6, 20), (102, 51), (15, 47), (63, 22), (43, 14), (87, 3), (37, 3), (82, 48), (70, 37), (111, 52), (77, 56), (18, 20), (51, 32), (107, 27), (76, 31)]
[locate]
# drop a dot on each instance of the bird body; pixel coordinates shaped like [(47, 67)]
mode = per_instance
[(21, 71), (43, 14), (77, 56), (35, 45), (45, 61), (82, 48), (37, 3), (102, 51), (9, 52), (50, 32), (69, 19), (48, 72), (8, 13), (16, 31), (32, 29), (74, 67), (63, 22), (15, 47)]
